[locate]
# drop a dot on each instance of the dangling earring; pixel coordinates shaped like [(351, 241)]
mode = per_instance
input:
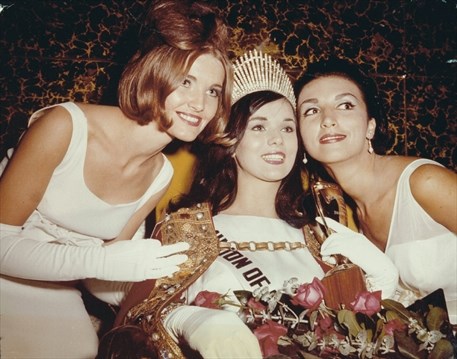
[(370, 147), (305, 159)]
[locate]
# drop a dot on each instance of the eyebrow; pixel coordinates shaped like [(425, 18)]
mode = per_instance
[(337, 97), (192, 77), (261, 118)]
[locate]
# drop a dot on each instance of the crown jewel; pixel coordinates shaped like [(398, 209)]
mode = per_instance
[(255, 71)]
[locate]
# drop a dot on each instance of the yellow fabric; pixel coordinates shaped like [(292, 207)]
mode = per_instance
[(183, 162), (351, 223)]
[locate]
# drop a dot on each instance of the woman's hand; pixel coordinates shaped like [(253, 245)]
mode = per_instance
[(21, 255), (380, 270), (214, 333)]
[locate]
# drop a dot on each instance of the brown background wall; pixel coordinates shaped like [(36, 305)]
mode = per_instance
[(58, 50)]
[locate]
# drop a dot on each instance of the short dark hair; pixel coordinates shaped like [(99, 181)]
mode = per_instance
[(366, 85)]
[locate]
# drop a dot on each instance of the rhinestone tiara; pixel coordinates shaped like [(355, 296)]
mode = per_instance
[(255, 71)]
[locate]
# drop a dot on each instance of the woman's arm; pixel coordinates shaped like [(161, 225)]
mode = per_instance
[(214, 333), (30, 169), (435, 189), (22, 186)]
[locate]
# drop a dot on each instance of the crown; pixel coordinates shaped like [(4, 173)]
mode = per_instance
[(255, 71)]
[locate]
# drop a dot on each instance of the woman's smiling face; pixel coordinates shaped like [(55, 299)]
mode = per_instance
[(333, 119), (195, 102), (269, 145)]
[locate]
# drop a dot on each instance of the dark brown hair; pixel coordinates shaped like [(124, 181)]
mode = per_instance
[(215, 179), (126, 342), (366, 84), (175, 34)]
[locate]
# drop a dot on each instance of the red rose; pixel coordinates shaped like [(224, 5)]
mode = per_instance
[(325, 322), (255, 305), (208, 299), (309, 295), (367, 303), (268, 335)]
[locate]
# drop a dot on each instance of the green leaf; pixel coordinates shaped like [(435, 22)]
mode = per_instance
[(313, 318), (349, 320), (435, 318), (443, 350), (396, 307), (391, 315), (242, 295)]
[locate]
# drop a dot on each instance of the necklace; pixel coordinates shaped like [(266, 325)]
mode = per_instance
[(260, 246)]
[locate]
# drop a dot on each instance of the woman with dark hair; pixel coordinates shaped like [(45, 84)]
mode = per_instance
[(406, 206), (217, 173), (84, 177), (254, 190)]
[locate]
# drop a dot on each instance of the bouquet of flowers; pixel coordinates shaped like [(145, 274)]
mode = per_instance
[(294, 322)]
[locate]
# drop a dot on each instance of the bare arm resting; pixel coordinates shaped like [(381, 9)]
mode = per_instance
[(435, 189), (28, 173)]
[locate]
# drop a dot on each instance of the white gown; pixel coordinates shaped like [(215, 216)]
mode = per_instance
[(424, 251), (48, 319), (248, 270)]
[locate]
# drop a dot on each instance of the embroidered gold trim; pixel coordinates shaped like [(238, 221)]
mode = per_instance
[(195, 226)]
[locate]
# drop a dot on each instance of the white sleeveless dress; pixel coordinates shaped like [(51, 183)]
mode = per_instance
[(424, 251), (48, 319)]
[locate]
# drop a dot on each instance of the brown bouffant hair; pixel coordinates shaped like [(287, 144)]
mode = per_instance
[(175, 34)]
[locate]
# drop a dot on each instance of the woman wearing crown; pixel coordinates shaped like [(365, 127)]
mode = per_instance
[(251, 238)]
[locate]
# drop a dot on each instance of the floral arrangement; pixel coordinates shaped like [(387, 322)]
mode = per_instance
[(294, 322)]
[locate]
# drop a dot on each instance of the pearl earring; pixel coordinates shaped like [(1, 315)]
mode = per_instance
[(305, 159)]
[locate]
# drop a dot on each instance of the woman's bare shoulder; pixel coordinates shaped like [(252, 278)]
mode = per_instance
[(392, 166), (435, 189), (430, 176), (96, 110), (54, 124)]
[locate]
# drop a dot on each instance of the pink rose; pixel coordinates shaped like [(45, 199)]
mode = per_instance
[(309, 295), (208, 299), (394, 325), (324, 326), (367, 303), (255, 305), (268, 335)]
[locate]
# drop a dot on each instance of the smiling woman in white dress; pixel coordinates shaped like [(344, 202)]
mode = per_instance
[(87, 175), (406, 206)]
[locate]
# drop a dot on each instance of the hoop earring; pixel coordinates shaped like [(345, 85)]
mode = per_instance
[(305, 159), (370, 147)]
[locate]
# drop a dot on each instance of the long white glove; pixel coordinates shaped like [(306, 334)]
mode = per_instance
[(380, 270), (129, 260), (214, 333)]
